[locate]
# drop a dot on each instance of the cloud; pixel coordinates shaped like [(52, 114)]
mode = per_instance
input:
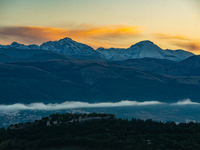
[(111, 31), (189, 45), (180, 41), (192, 16), (71, 104), (185, 102), (94, 35), (14, 108), (170, 37), (29, 35)]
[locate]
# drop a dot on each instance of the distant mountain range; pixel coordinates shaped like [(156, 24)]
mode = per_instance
[(65, 70), (143, 49)]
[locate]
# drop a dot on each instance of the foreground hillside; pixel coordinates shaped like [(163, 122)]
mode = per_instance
[(104, 131)]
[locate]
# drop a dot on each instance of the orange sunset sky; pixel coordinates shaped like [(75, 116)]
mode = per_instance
[(172, 24)]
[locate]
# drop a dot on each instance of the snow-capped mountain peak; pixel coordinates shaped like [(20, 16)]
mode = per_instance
[(143, 49), (69, 47), (17, 45), (143, 43)]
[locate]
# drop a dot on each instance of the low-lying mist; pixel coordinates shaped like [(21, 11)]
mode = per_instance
[(185, 102), (13, 108)]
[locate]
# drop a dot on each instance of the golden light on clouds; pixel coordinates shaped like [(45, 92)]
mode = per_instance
[(193, 47), (91, 35), (181, 41), (192, 16), (28, 35), (170, 37)]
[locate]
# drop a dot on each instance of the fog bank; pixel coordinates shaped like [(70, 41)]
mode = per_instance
[(74, 104), (185, 102)]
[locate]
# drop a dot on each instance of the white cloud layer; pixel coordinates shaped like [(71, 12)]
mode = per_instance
[(185, 102), (72, 104)]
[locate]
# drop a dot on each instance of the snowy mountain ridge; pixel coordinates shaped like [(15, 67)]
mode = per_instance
[(65, 46), (69, 47), (141, 49)]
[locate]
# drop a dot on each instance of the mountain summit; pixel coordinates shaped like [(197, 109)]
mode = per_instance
[(69, 47), (143, 49)]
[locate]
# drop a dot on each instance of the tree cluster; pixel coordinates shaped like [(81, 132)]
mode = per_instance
[(109, 133)]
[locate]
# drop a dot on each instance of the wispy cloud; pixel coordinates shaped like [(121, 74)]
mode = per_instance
[(93, 35), (180, 41), (170, 37), (29, 35), (189, 46)]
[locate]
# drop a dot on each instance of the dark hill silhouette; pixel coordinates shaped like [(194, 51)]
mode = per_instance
[(90, 81)]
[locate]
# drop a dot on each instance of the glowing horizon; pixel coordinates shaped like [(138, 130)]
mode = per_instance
[(103, 23)]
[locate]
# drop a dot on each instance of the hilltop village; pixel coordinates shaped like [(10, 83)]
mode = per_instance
[(68, 118), (58, 119)]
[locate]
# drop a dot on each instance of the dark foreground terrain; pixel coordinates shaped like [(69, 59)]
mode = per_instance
[(99, 131)]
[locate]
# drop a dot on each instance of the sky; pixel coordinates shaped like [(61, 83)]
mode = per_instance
[(170, 24)]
